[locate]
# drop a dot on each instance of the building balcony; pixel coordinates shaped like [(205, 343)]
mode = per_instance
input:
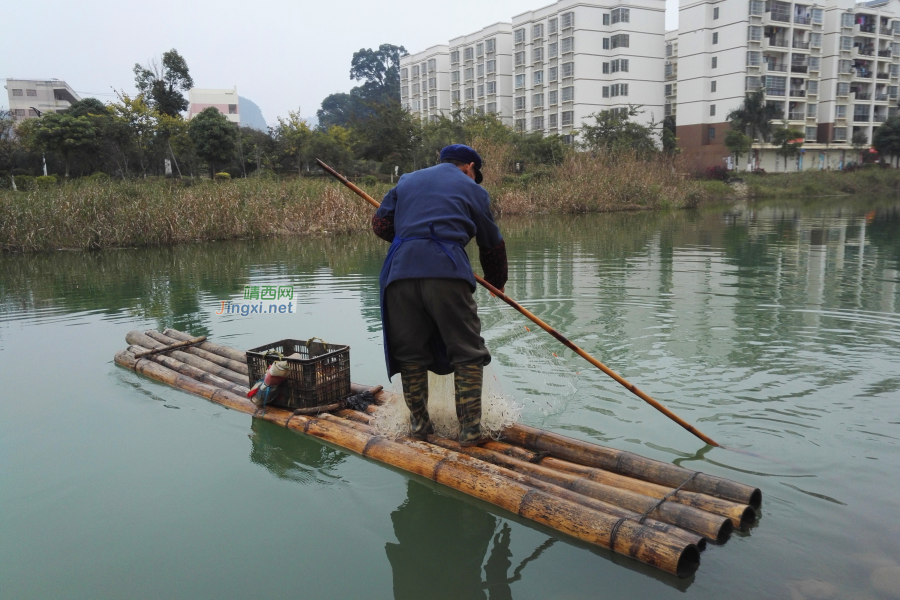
[(864, 29), (797, 116), (775, 92), (800, 45), (879, 118), (881, 75), (798, 93), (776, 67), (863, 74), (861, 119), (858, 51), (802, 19), (799, 68), (776, 43), (863, 95), (881, 97), (885, 53), (886, 31), (778, 17)]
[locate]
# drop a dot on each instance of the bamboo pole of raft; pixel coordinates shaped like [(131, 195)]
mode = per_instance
[(223, 361), (556, 334), (174, 346), (623, 536), (139, 339), (219, 349)]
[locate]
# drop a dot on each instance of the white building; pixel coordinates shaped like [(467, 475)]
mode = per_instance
[(481, 75), (32, 97), (226, 101), (573, 59), (670, 75), (425, 82), (831, 67)]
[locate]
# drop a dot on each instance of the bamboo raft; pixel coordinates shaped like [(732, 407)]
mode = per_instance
[(655, 512)]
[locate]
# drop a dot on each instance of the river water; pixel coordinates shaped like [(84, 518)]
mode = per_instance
[(775, 328)]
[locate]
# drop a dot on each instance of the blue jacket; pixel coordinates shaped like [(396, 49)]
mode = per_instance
[(458, 209)]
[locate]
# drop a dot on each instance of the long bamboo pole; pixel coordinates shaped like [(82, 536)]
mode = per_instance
[(560, 337)]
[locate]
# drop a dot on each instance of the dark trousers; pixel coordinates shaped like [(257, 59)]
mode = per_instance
[(417, 308)]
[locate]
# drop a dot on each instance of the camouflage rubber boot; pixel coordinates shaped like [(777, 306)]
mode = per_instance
[(415, 392), (468, 381)]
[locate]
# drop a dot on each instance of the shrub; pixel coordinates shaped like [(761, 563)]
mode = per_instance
[(46, 181), (99, 176), (223, 176), (24, 183), (369, 180), (717, 172)]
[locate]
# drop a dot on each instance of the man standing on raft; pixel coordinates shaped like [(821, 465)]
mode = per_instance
[(428, 312)]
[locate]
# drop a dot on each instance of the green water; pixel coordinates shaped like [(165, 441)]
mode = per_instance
[(774, 328)]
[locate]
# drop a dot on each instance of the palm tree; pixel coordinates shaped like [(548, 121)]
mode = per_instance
[(755, 116)]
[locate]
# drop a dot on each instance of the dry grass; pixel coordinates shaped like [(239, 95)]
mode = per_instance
[(95, 215)]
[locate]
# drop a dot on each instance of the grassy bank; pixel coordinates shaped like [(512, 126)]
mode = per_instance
[(102, 214), (868, 181)]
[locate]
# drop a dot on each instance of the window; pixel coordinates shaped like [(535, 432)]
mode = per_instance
[(454, 95), (669, 50), (568, 69), (812, 87), (892, 91), (895, 49), (606, 91), (551, 26), (491, 87), (553, 50), (454, 76), (416, 71), (620, 64), (752, 84), (432, 65), (454, 57), (606, 68), (606, 43), (538, 54), (568, 44), (843, 89), (861, 113), (775, 86), (712, 86), (520, 59), (424, 69), (568, 117), (614, 90), (847, 20), (756, 7), (553, 120), (715, 37), (619, 41), (538, 77), (846, 42), (20, 112), (840, 134), (492, 107), (404, 91), (519, 35), (520, 103), (552, 97), (606, 18), (668, 89), (490, 45), (568, 94), (433, 102), (479, 49), (17, 92), (811, 110), (480, 110), (520, 124), (470, 93), (754, 33), (491, 66), (469, 53), (844, 66), (568, 20), (895, 70), (32, 112), (537, 123), (753, 58), (432, 83), (520, 81), (31, 93), (470, 74), (811, 134), (712, 110), (425, 104), (537, 31), (415, 89), (715, 13), (670, 69), (553, 73), (815, 40), (620, 15), (481, 91), (537, 101), (818, 16), (404, 73), (480, 70), (840, 111), (814, 63)]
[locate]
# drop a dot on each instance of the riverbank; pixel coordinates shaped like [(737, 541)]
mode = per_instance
[(868, 181), (96, 214)]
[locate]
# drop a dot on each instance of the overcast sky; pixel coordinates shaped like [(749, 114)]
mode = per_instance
[(283, 55)]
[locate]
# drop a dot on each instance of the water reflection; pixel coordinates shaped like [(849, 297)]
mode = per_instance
[(293, 457)]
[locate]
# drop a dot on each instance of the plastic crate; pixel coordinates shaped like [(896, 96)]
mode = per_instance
[(314, 379)]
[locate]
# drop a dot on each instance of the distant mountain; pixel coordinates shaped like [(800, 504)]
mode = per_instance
[(251, 115)]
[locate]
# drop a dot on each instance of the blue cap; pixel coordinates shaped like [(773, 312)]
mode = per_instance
[(465, 154)]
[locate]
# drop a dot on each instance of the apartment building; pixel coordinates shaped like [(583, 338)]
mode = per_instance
[(32, 97), (225, 100), (572, 59), (831, 68), (481, 77), (670, 75), (425, 82)]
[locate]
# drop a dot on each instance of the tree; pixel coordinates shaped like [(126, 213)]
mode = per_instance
[(7, 144), (887, 139), (380, 72), (390, 130), (738, 144), (137, 130), (669, 141), (755, 116), (161, 84), (613, 132), (859, 140), (337, 109), (292, 135), (214, 137), (65, 134), (788, 141)]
